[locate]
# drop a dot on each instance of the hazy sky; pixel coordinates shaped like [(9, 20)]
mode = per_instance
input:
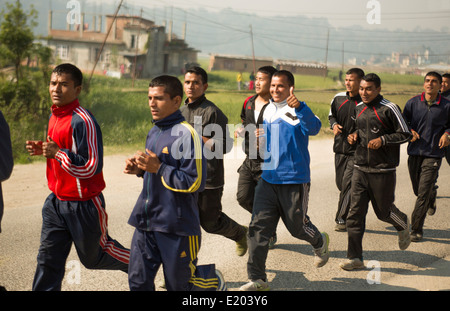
[(394, 14), (405, 14)]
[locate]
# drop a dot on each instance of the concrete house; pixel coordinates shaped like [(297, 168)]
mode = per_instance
[(135, 47)]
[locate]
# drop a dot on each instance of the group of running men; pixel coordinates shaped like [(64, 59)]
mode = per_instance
[(183, 175)]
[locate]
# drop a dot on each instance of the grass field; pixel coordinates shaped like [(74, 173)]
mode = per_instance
[(124, 116)]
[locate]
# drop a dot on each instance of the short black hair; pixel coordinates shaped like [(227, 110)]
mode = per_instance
[(372, 77), (199, 71), (172, 85), (268, 70), (434, 74), (446, 75), (75, 73), (357, 71), (287, 74)]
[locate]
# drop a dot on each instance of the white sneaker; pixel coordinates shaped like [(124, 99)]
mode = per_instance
[(258, 285)]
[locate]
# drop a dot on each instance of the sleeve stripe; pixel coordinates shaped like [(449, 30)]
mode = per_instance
[(397, 113), (198, 162), (89, 168)]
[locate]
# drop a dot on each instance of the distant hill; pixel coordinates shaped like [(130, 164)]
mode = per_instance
[(294, 37)]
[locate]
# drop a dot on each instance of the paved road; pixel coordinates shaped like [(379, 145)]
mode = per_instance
[(423, 266)]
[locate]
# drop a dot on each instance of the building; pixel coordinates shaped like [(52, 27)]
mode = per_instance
[(302, 68), (237, 63), (135, 47), (245, 64)]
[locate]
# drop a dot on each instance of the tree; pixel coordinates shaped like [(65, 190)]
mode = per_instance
[(16, 36)]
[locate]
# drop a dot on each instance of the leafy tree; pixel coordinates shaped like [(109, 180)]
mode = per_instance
[(16, 35)]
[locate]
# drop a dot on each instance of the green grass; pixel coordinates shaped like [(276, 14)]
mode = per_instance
[(124, 116)]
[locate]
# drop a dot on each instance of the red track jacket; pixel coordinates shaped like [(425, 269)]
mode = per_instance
[(76, 173)]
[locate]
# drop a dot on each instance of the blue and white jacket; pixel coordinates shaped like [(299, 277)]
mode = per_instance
[(168, 201), (287, 130)]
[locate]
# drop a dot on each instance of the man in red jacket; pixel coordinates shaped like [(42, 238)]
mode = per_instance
[(75, 210)]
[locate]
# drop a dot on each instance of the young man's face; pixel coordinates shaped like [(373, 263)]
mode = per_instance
[(445, 84), (262, 84), (62, 89), (194, 86), (352, 82), (431, 85), (161, 105), (368, 91), (279, 88)]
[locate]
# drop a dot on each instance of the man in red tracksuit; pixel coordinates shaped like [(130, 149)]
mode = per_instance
[(75, 210)]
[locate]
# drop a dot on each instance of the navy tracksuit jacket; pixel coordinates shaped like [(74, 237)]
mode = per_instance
[(166, 215)]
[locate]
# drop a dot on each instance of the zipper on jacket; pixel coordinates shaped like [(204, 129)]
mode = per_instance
[(368, 139), (148, 184), (52, 162)]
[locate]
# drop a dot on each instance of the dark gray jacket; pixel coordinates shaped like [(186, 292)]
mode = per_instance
[(213, 125)]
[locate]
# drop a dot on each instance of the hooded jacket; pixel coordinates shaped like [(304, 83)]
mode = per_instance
[(168, 201), (379, 119), (76, 172)]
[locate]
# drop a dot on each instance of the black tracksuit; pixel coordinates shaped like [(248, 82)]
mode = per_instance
[(374, 177), (342, 112), (250, 170), (213, 125)]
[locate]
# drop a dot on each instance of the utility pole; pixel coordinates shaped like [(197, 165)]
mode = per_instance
[(137, 49), (104, 42), (326, 54), (253, 50)]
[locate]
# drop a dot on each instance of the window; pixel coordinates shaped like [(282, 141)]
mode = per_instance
[(62, 51)]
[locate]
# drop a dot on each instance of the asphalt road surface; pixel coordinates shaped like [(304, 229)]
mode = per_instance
[(423, 266)]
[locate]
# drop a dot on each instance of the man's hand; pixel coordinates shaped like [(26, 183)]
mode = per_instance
[(337, 129), (415, 137), (351, 138), (50, 148), (34, 147), (375, 143), (292, 101), (131, 167), (444, 141), (148, 161)]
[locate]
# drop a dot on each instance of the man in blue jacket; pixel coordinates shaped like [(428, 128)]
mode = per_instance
[(445, 92), (283, 189), (428, 116), (166, 214)]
